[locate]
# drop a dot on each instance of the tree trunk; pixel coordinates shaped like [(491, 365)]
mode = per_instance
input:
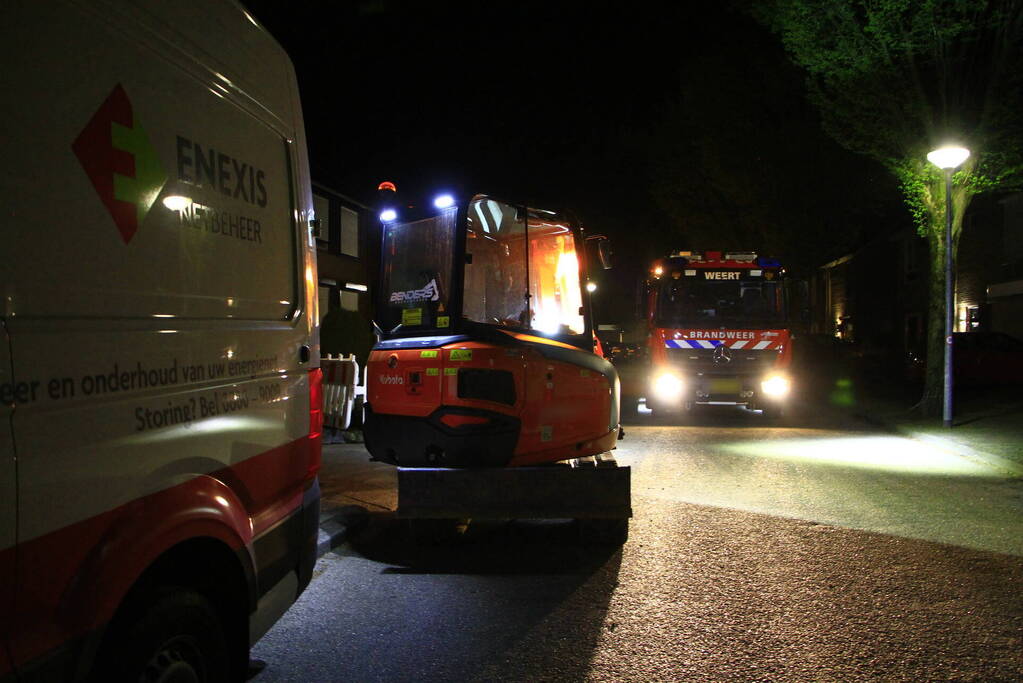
[(934, 380)]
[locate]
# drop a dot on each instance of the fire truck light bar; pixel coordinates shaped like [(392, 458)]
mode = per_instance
[(750, 257)]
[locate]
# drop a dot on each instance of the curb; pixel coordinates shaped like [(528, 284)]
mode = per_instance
[(997, 462), (337, 524), (333, 533)]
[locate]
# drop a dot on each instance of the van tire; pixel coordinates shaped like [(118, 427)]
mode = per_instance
[(177, 636)]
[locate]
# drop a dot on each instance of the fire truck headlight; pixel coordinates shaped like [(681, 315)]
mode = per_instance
[(776, 386), (668, 387)]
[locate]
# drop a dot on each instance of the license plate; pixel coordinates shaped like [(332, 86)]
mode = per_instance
[(727, 385)]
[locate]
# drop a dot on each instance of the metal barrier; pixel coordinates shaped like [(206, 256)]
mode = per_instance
[(343, 393)]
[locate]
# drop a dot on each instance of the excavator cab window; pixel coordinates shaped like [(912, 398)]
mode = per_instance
[(522, 270), (417, 269), (554, 283), (496, 265)]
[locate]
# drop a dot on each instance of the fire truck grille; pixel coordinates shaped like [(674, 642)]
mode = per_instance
[(702, 361)]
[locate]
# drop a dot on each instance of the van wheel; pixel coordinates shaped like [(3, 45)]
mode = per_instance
[(177, 638)]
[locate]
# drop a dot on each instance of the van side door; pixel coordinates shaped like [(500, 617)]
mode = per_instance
[(8, 501)]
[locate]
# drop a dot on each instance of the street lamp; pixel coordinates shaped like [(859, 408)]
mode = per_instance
[(948, 159)]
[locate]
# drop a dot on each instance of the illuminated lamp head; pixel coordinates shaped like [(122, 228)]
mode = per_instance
[(388, 216), (444, 201), (387, 185)]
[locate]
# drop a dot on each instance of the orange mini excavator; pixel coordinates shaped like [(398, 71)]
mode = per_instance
[(486, 347)]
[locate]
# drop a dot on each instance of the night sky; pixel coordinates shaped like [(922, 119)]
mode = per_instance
[(661, 124)]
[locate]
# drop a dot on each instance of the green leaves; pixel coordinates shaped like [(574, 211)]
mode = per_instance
[(893, 79)]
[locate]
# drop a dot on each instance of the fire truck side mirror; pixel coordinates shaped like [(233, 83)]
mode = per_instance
[(605, 253)]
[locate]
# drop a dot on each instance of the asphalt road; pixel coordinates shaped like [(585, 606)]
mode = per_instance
[(819, 549)]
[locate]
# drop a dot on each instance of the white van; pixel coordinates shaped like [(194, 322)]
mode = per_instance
[(159, 376)]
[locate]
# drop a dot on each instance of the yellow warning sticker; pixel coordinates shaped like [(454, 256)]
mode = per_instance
[(412, 316), (461, 354), (443, 321), (432, 372), (450, 371), (428, 354)]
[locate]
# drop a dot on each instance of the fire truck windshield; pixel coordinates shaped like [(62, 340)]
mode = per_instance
[(745, 303), (417, 268)]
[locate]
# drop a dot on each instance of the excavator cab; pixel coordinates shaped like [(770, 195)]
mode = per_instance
[(486, 347)]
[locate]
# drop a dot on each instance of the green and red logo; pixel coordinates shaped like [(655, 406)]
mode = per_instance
[(121, 163)]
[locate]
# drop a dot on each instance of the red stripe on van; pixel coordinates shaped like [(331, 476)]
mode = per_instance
[(71, 581), (316, 417)]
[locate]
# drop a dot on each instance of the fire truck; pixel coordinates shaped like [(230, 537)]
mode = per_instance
[(717, 333)]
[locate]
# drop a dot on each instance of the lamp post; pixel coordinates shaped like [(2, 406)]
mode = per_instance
[(948, 159)]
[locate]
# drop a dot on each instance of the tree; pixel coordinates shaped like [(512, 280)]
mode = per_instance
[(894, 79), (738, 161)]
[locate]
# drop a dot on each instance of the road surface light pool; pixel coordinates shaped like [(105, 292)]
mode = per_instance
[(776, 386), (388, 215), (886, 453), (444, 201), (668, 387)]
